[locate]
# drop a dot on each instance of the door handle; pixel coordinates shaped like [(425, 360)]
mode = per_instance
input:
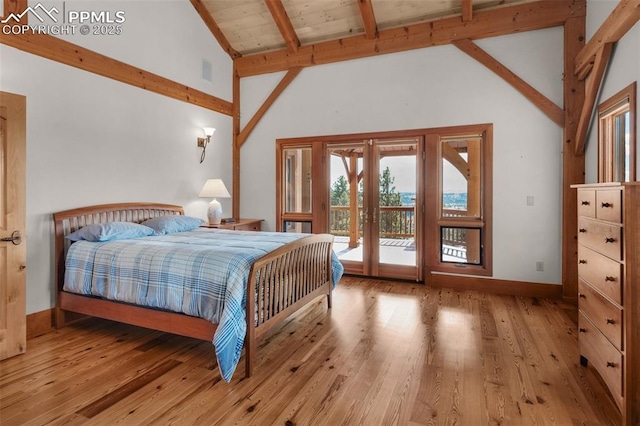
[(15, 238)]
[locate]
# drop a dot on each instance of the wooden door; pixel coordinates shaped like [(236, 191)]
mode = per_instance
[(13, 328)]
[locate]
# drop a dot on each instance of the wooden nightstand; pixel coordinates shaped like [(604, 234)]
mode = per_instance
[(239, 225)]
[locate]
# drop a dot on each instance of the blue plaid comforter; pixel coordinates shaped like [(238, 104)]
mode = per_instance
[(202, 273)]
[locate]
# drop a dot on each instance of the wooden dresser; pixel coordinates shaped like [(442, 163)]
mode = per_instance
[(608, 289)]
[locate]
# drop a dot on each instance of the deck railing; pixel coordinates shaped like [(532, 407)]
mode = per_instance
[(395, 222), (454, 236)]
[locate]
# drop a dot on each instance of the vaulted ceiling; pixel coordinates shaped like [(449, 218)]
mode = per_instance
[(264, 36), (258, 26)]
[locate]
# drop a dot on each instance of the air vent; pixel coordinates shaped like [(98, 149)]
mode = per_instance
[(207, 71)]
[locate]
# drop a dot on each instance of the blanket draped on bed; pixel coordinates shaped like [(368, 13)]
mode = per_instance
[(202, 273)]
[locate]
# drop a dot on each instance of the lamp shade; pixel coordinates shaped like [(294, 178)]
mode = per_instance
[(208, 131), (214, 188)]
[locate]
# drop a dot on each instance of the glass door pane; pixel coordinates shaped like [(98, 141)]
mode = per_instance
[(346, 167), (297, 180), (396, 202)]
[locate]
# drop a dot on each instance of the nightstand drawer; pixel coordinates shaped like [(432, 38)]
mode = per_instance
[(602, 355), (601, 272), (254, 226), (609, 205), (602, 237), (587, 202), (604, 314), (239, 225)]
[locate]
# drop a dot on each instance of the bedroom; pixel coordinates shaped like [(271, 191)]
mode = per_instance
[(125, 140)]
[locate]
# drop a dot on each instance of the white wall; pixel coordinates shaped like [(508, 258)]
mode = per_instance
[(623, 69), (92, 140), (438, 86)]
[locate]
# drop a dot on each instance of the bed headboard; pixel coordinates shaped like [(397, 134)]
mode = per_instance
[(69, 221)]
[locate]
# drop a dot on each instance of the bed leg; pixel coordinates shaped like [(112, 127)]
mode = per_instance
[(60, 318), (249, 354), (329, 298)]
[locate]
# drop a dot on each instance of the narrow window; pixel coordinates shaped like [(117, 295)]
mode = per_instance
[(464, 198), (616, 137)]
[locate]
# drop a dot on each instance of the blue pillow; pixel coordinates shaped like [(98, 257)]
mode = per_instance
[(170, 224), (110, 231)]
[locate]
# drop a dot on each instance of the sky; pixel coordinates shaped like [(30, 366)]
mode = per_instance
[(403, 169)]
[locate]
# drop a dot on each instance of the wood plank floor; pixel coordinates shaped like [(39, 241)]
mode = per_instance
[(386, 353)]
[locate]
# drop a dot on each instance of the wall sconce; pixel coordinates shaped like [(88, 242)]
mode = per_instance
[(203, 142)]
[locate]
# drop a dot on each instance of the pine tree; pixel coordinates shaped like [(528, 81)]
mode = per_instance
[(340, 192)]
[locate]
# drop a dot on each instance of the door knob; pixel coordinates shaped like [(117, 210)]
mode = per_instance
[(15, 238)]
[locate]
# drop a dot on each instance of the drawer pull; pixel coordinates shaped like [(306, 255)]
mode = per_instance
[(607, 205), (611, 364), (585, 203), (610, 320), (609, 278), (609, 240), (582, 261), (582, 295), (582, 230), (582, 330)]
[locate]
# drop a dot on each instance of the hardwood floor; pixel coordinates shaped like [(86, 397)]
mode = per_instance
[(387, 353)]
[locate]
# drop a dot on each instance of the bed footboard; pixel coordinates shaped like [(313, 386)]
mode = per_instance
[(284, 281)]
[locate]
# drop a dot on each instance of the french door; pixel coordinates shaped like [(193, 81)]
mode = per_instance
[(400, 204), (375, 205)]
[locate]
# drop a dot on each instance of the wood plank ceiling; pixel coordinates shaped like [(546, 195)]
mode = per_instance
[(251, 27), (258, 26)]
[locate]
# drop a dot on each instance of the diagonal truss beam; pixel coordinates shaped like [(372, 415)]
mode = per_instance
[(62, 51), (593, 82), (622, 19), (286, 80), (549, 108)]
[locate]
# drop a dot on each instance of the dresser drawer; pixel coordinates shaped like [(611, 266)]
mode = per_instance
[(601, 272), (609, 205), (601, 355), (587, 202), (602, 237), (602, 313)]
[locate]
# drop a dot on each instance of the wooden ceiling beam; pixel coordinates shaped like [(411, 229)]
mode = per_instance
[(622, 19), (279, 14), (593, 82), (467, 10), (488, 23), (58, 50), (215, 30), (368, 19), (550, 109)]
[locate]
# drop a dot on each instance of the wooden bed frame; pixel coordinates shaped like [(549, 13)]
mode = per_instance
[(286, 279)]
